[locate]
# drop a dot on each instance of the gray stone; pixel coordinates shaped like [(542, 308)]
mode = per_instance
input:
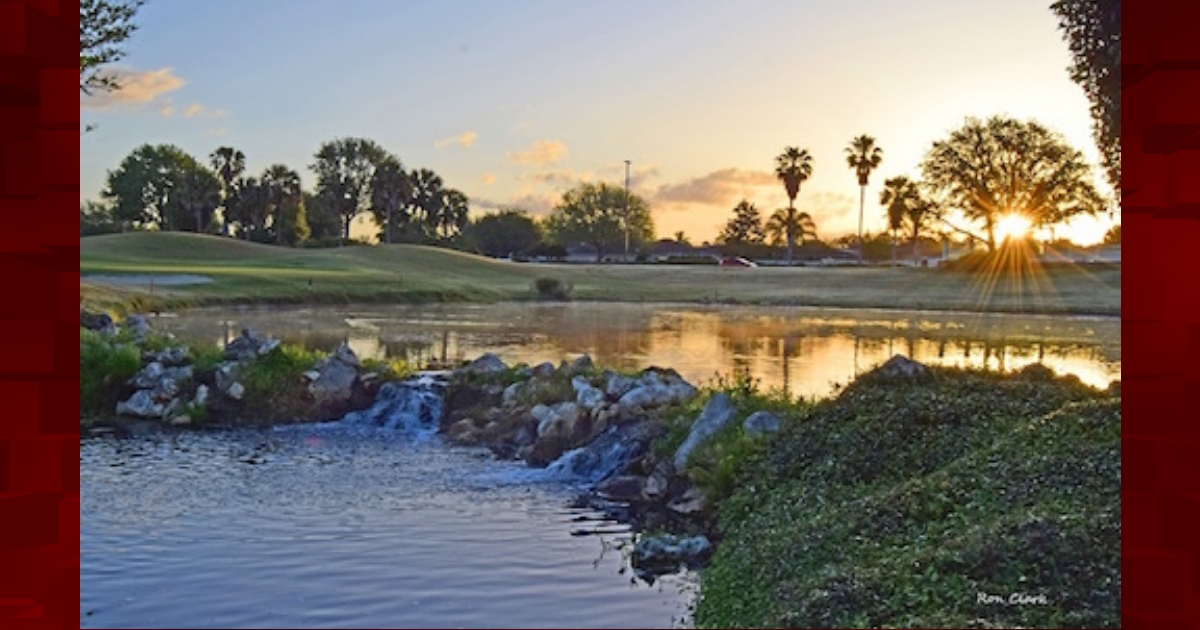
[(509, 397), (716, 414), (618, 385), (148, 376), (226, 375), (98, 322), (543, 370), (486, 364), (140, 405), (621, 488), (235, 391), (655, 389), (689, 502), (581, 364), (138, 325), (173, 357), (338, 375), (657, 483), (181, 420), (248, 346), (900, 366), (666, 551), (201, 397), (586, 395), (761, 422)]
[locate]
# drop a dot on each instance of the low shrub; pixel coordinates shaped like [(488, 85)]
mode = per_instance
[(274, 382), (552, 289), (104, 367)]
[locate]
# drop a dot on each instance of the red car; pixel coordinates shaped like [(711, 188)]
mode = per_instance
[(737, 261)]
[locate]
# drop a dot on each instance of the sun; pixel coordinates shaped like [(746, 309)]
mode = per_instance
[(1012, 225)]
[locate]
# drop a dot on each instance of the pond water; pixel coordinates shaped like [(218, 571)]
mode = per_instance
[(332, 526), (807, 351)]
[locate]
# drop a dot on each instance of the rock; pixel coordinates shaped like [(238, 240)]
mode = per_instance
[(621, 488), (248, 346), (657, 483), (655, 389), (140, 405), (201, 397), (486, 364), (235, 391), (761, 422), (580, 365), (148, 376), (689, 502), (338, 377), (655, 555), (138, 325), (98, 322), (561, 420), (617, 385), (900, 366), (543, 451), (586, 395), (716, 414), (174, 356), (509, 397), (181, 420), (543, 370)]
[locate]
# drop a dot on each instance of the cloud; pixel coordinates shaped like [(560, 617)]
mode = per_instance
[(536, 204), (136, 88), (488, 179), (723, 187), (219, 132), (464, 140), (540, 153)]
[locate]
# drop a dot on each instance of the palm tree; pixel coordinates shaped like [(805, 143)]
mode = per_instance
[(787, 225), (390, 189), (453, 216), (283, 187), (863, 156), (896, 196), (918, 217), (427, 197), (229, 164), (793, 167)]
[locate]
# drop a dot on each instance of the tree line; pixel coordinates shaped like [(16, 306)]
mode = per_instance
[(986, 170)]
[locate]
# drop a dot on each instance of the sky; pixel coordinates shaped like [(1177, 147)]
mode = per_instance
[(514, 102)]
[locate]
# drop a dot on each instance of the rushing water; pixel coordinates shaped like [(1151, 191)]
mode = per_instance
[(345, 525), (808, 351)]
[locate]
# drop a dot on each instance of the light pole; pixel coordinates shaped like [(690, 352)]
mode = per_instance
[(626, 210)]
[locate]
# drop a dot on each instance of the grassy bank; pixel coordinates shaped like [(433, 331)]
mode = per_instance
[(928, 503), (244, 273)]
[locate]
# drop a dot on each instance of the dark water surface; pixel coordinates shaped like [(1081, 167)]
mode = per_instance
[(329, 526)]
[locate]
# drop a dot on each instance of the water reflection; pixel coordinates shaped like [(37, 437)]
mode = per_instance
[(805, 351)]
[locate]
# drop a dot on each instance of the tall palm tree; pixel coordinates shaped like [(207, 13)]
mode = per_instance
[(793, 167), (427, 198), (863, 156), (283, 188), (453, 217), (897, 195), (229, 164), (788, 225)]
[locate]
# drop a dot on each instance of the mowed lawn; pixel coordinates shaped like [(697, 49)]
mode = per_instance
[(246, 272)]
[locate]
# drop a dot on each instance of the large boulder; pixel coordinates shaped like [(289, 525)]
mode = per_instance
[(486, 364), (665, 553), (656, 388), (138, 325), (337, 377), (617, 385), (716, 414), (901, 367), (98, 322), (761, 422), (586, 395)]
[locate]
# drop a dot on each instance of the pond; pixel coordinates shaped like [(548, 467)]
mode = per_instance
[(331, 526), (807, 351)]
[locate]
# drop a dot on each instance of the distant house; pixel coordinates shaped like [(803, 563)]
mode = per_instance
[(581, 252)]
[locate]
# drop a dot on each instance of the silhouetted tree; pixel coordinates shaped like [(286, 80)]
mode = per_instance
[(229, 164), (507, 232), (987, 169), (793, 167), (1092, 29), (745, 228), (344, 168), (595, 213), (390, 191), (863, 156)]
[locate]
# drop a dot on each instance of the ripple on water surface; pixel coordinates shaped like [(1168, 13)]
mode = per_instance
[(328, 527)]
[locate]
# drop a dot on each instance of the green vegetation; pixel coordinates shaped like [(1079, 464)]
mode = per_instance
[(275, 383), (246, 273), (900, 502), (552, 289), (104, 366)]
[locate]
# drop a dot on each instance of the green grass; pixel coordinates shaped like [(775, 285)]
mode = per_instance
[(896, 504), (104, 366), (252, 273)]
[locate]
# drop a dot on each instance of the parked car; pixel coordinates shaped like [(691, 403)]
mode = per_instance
[(737, 261)]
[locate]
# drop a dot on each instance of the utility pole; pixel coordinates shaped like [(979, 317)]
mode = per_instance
[(626, 210)]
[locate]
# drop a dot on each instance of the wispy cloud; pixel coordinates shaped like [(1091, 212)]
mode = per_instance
[(540, 153), (723, 187), (137, 88), (536, 204), (219, 132), (487, 179), (464, 140)]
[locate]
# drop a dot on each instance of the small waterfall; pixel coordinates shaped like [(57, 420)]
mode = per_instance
[(412, 407)]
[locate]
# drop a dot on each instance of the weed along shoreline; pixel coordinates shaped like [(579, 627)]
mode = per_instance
[(916, 496)]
